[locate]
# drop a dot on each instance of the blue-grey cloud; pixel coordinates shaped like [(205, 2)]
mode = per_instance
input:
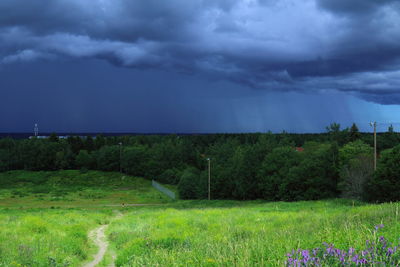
[(286, 45)]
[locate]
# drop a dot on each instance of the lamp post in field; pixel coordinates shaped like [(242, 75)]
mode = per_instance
[(373, 124), (120, 157), (209, 178)]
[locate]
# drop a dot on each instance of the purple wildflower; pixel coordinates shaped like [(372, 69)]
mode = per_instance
[(379, 226), (379, 253)]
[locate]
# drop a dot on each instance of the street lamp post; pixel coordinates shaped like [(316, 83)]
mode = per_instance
[(120, 157), (373, 124), (209, 178)]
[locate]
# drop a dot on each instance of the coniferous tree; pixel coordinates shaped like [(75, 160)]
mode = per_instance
[(354, 133)]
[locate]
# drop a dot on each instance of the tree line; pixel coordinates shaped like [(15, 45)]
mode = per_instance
[(268, 166)]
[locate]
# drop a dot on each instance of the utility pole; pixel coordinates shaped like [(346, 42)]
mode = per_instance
[(120, 157), (373, 124), (209, 178)]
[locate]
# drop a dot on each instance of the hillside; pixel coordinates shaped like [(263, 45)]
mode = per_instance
[(73, 188)]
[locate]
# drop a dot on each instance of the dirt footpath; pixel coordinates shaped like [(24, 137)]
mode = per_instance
[(99, 238)]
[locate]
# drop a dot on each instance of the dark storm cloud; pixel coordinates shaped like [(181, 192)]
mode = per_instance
[(354, 7), (285, 45)]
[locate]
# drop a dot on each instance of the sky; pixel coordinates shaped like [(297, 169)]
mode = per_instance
[(199, 66)]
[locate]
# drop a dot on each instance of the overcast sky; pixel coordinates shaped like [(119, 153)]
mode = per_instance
[(198, 65)]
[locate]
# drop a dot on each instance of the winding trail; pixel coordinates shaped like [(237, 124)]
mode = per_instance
[(99, 238)]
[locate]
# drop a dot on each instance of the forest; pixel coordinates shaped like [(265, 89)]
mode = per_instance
[(273, 167)]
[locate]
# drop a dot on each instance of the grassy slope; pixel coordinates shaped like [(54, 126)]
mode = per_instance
[(37, 225), (74, 189), (182, 233), (243, 234), (47, 237)]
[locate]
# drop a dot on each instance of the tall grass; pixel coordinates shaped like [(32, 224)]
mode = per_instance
[(47, 237), (182, 233), (249, 235)]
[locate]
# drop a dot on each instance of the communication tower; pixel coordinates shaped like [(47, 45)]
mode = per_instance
[(36, 130)]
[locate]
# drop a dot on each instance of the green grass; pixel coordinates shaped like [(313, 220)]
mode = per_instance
[(45, 218), (72, 188), (243, 233), (47, 237)]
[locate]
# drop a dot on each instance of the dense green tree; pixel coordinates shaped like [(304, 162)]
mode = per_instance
[(353, 150), (108, 158), (75, 143), (84, 160), (37, 154), (163, 156), (170, 176), (388, 139), (8, 155), (333, 128), (220, 154), (336, 135), (192, 184), (316, 176), (89, 143), (355, 175), (134, 161), (99, 141), (4, 160), (274, 170), (384, 185), (354, 133), (356, 167), (53, 137), (243, 166)]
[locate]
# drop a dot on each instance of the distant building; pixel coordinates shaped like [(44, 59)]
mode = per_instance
[(39, 137), (59, 136)]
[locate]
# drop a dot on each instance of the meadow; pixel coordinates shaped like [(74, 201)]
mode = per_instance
[(46, 216), (47, 237), (73, 188), (45, 229), (223, 233)]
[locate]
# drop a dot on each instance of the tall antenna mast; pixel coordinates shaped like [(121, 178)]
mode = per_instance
[(36, 130)]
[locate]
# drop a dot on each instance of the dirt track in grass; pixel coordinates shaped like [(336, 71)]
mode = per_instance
[(99, 238)]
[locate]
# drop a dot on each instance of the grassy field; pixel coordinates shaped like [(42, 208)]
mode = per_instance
[(39, 227), (47, 237), (46, 216), (244, 234), (74, 189)]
